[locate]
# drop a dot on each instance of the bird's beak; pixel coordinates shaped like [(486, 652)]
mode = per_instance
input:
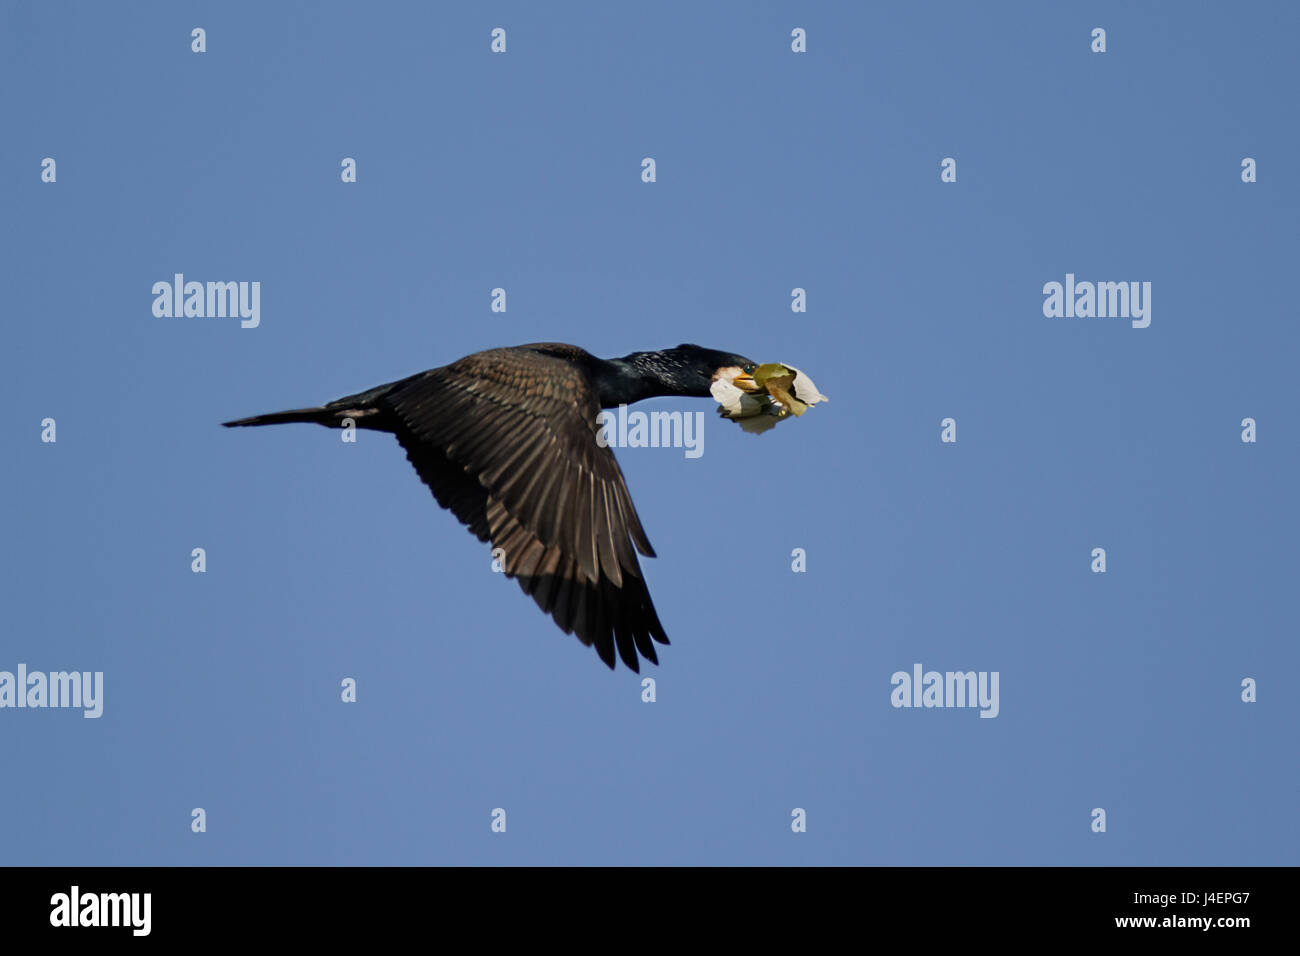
[(745, 383)]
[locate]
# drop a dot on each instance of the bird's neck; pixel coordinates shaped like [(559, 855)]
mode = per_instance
[(622, 381)]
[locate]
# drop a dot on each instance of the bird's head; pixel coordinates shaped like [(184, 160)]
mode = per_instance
[(701, 367), (688, 370)]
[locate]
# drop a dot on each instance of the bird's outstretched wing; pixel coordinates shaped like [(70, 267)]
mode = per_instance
[(506, 440)]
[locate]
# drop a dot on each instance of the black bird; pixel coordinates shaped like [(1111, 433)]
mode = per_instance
[(506, 440)]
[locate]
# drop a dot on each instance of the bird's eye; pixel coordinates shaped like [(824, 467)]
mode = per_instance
[(748, 370)]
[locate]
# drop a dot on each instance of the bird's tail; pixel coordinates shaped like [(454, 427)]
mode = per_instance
[(363, 410), (320, 416)]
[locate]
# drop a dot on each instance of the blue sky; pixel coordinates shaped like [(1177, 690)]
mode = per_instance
[(775, 170)]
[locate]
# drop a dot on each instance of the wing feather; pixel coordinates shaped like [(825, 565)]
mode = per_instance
[(506, 440)]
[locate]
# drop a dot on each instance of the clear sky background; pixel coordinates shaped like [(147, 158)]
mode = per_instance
[(775, 170)]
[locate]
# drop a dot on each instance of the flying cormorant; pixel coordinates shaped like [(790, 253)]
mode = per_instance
[(506, 440)]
